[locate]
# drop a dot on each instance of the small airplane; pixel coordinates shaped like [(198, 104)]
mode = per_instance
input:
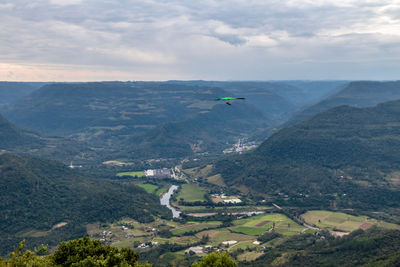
[(229, 98)]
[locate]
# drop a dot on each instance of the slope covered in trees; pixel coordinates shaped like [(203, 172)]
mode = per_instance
[(36, 195), (345, 154), (357, 94), (374, 247), (11, 136)]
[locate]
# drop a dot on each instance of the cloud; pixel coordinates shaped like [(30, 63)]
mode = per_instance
[(218, 39)]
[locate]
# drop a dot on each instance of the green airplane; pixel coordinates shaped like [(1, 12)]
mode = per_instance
[(228, 98)]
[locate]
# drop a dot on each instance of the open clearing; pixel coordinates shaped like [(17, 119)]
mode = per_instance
[(138, 174), (195, 226), (259, 224), (342, 221), (191, 193), (150, 188)]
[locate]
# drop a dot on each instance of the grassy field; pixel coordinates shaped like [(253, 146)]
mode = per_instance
[(138, 174), (191, 193), (250, 256), (216, 179), (249, 230), (256, 225), (342, 221), (195, 226), (150, 188), (162, 189)]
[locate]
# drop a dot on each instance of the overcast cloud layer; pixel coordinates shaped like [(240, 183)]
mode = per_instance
[(75, 40)]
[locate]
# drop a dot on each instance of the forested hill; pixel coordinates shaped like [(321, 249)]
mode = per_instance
[(357, 94), (374, 247), (23, 141), (37, 194), (349, 154), (119, 117), (11, 136), (114, 107), (13, 91), (205, 132)]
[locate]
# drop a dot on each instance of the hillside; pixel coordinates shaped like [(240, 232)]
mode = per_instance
[(23, 141), (346, 154), (13, 91), (207, 132), (12, 136), (357, 94), (276, 99), (374, 247), (119, 117), (37, 194)]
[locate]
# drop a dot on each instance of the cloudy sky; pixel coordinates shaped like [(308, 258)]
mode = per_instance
[(86, 40)]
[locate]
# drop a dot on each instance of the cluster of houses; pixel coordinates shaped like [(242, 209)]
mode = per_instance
[(158, 173), (227, 199), (208, 249)]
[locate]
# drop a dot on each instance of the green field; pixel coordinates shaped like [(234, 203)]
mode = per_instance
[(342, 221), (138, 174), (249, 230), (150, 188), (194, 226), (191, 193), (256, 225), (162, 189)]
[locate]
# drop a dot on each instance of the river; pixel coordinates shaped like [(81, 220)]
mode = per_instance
[(164, 200)]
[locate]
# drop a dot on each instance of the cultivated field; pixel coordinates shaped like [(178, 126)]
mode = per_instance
[(133, 174), (150, 188), (191, 193), (259, 224), (341, 221)]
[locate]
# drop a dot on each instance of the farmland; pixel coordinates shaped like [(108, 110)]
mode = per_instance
[(138, 174), (150, 188), (191, 193), (259, 224), (343, 222)]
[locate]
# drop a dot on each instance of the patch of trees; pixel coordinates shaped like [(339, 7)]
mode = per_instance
[(80, 252), (374, 247), (37, 194)]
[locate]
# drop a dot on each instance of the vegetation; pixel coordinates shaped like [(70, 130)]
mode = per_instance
[(343, 222), (79, 252), (36, 195), (150, 188), (191, 193), (138, 174), (341, 158), (216, 259), (357, 94), (374, 247), (138, 119)]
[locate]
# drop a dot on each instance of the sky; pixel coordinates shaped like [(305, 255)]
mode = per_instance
[(98, 40)]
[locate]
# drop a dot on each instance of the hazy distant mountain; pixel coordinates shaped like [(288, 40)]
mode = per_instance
[(357, 94), (121, 116), (13, 91), (346, 152), (206, 132), (277, 99), (22, 141), (65, 109), (12, 137), (308, 92), (37, 194)]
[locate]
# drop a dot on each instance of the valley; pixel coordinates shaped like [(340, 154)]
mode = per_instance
[(209, 217), (175, 175)]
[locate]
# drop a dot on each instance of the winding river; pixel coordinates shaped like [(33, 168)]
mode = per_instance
[(164, 200)]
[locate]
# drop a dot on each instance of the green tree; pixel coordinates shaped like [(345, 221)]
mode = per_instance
[(88, 252), (26, 258), (216, 259)]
